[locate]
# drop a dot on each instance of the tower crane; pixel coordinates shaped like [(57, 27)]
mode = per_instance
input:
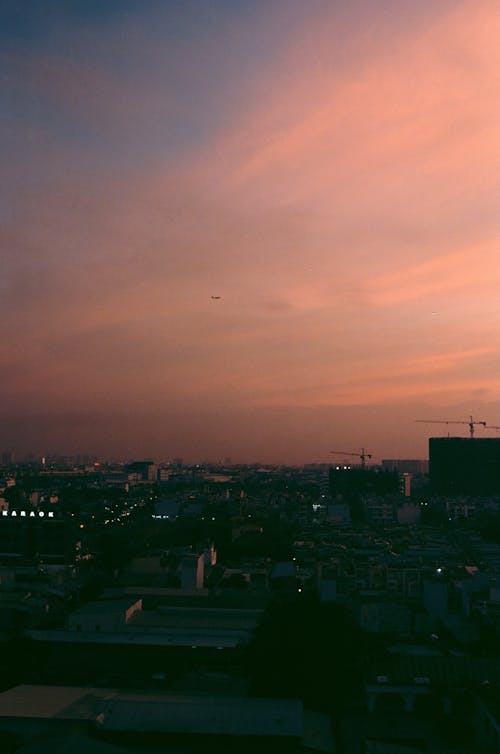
[(363, 455), (471, 423)]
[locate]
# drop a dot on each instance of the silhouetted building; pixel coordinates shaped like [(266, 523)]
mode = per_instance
[(405, 465), (192, 571), (82, 719), (142, 471), (346, 481), (7, 458), (465, 466), (37, 535)]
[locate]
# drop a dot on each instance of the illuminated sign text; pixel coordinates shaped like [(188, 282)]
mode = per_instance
[(28, 514)]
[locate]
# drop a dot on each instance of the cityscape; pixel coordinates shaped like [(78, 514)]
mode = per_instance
[(249, 383), (173, 607)]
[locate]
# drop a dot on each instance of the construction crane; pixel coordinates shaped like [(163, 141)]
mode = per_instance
[(363, 455), (471, 423)]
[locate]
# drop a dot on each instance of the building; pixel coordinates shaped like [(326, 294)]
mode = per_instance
[(192, 571), (34, 715), (405, 484), (487, 718), (103, 615), (124, 623), (465, 466), (380, 509), (142, 471), (346, 481), (37, 535), (7, 458), (405, 465)]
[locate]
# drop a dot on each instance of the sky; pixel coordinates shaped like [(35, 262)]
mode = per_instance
[(328, 169)]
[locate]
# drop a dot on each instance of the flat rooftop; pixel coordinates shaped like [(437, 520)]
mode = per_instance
[(63, 702), (191, 617), (106, 606), (116, 711), (206, 716)]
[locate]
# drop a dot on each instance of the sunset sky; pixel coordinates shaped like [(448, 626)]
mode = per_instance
[(328, 168)]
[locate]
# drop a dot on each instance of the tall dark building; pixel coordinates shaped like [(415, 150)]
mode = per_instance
[(465, 466), (346, 481), (29, 534)]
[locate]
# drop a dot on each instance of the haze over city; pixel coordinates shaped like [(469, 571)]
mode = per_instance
[(261, 230)]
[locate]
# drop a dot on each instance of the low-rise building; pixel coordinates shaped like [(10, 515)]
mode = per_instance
[(32, 714)]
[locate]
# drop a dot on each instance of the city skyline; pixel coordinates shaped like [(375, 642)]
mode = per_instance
[(258, 230)]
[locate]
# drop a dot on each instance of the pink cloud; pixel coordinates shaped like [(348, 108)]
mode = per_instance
[(466, 271), (343, 202)]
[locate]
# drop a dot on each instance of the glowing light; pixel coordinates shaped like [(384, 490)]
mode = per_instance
[(27, 514)]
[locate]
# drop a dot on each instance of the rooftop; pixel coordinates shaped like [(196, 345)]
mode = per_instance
[(105, 606), (205, 715), (115, 711)]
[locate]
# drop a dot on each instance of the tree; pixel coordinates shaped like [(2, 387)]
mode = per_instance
[(308, 650)]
